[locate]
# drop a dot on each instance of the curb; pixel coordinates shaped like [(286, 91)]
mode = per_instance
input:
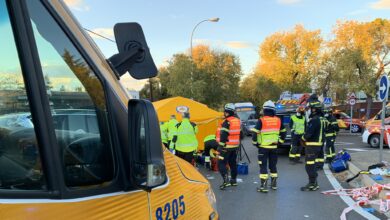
[(366, 179)]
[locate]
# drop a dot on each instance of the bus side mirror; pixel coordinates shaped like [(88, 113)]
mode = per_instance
[(134, 55), (147, 166)]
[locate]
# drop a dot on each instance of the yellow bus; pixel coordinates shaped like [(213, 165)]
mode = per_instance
[(72, 144)]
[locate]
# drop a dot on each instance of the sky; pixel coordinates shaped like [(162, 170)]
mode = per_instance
[(243, 25)]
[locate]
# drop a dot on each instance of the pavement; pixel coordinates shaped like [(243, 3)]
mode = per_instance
[(288, 202)]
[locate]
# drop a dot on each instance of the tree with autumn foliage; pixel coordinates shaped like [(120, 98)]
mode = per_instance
[(214, 81), (290, 58), (363, 50)]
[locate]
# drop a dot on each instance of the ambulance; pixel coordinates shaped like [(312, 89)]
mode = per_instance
[(72, 144)]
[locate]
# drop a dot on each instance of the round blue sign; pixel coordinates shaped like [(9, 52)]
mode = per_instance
[(383, 87)]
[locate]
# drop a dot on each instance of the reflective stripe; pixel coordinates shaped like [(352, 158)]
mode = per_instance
[(314, 143), (291, 155), (254, 142), (283, 130), (310, 162), (184, 132), (319, 160), (274, 175), (263, 176), (281, 141), (234, 130), (335, 123), (260, 162), (230, 146), (225, 129), (255, 130), (269, 146)]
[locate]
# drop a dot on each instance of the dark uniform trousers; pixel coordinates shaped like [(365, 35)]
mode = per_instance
[(329, 150), (187, 156), (296, 146), (311, 155), (229, 157), (268, 155)]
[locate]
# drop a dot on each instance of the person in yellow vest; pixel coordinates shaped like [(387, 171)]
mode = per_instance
[(171, 129), (184, 141), (164, 133), (228, 137), (267, 133), (210, 143), (297, 126)]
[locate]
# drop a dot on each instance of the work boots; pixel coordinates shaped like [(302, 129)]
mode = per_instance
[(310, 187), (233, 182), (263, 186), (225, 183), (273, 183)]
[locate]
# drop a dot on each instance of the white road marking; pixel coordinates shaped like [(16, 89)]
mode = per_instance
[(342, 143), (356, 149), (348, 200)]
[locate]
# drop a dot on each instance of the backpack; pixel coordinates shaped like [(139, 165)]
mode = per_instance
[(340, 162)]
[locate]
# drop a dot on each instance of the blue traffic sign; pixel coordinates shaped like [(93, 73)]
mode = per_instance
[(383, 88), (327, 101)]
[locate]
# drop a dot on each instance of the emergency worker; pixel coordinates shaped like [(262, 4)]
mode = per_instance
[(164, 134), (313, 142), (297, 125), (171, 129), (184, 140), (268, 132), (210, 142), (228, 136), (330, 134)]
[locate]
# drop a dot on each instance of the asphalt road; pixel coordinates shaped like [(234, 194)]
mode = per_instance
[(288, 202)]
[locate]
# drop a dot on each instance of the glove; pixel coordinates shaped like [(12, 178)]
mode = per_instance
[(172, 151)]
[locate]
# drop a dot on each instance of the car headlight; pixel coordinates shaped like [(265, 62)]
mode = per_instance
[(212, 200)]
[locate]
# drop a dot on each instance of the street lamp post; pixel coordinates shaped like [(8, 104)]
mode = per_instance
[(192, 35)]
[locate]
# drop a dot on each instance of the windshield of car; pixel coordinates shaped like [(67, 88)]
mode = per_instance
[(245, 115)]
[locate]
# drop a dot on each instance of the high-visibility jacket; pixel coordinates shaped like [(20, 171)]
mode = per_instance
[(172, 128), (185, 138), (268, 136), (228, 132), (333, 126), (297, 124), (209, 138), (315, 131), (164, 132)]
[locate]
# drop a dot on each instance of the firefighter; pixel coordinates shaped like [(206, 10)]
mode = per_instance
[(228, 136), (171, 129), (164, 134), (210, 143), (330, 135), (184, 140), (268, 132), (313, 142), (297, 125)]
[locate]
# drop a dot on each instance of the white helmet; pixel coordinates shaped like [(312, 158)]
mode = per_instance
[(230, 107), (269, 105)]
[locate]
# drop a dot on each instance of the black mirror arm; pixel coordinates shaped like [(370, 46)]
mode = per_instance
[(119, 62)]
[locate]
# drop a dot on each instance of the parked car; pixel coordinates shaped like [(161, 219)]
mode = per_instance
[(345, 121), (247, 126), (371, 135)]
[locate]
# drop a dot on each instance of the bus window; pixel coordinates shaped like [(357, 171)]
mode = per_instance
[(20, 163), (78, 104)]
